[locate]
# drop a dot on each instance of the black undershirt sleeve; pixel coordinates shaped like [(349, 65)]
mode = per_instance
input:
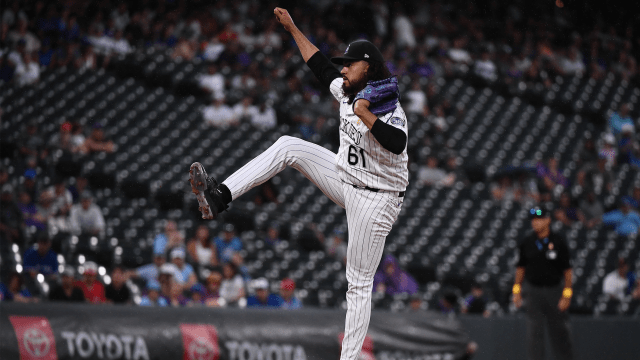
[(390, 137), (322, 68)]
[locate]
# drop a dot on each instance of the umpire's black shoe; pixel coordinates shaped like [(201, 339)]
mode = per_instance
[(207, 192)]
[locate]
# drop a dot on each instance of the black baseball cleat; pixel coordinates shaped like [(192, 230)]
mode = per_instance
[(207, 192)]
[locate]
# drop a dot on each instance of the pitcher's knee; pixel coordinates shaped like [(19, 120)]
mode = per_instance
[(288, 144), (284, 140)]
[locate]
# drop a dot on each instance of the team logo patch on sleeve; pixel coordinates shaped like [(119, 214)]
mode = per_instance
[(397, 121)]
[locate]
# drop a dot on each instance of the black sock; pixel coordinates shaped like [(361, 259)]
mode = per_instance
[(225, 193)]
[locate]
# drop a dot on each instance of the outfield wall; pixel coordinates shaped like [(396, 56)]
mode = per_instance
[(60, 331)]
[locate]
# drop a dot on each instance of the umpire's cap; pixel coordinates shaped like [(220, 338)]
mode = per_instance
[(539, 212), (359, 50)]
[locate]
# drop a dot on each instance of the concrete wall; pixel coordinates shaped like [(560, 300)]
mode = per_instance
[(593, 338)]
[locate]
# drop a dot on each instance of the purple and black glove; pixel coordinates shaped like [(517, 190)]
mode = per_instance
[(382, 94)]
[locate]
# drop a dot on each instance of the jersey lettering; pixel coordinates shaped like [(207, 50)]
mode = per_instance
[(351, 131)]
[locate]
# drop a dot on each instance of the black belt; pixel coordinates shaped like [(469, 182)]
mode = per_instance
[(400, 193)]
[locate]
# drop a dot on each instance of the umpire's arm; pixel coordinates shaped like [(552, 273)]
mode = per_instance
[(517, 286)]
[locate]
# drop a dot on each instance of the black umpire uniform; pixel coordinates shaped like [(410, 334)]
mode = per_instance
[(543, 276)]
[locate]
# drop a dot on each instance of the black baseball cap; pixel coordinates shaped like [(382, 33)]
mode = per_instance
[(359, 50), (539, 212)]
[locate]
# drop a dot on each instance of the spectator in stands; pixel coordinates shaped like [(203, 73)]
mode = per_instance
[(417, 100), (273, 235), (416, 303), (238, 261), (120, 45), (551, 175), (596, 177), (32, 145), (458, 54), (591, 208), (635, 193), (16, 291), (66, 290), (28, 71), (213, 49), (620, 118), (244, 110), (7, 69), (213, 82), (228, 244), (91, 287), (219, 114), (267, 193), (504, 190), (118, 292), (96, 142), (447, 303), (628, 148), (404, 33), (626, 219), (11, 221), (152, 298), (149, 272), (212, 297), (265, 116), (201, 249), (452, 167), (431, 174), (485, 68), (86, 218), (27, 209), (262, 298), (78, 188), (269, 37), (40, 259), (232, 285), (572, 65), (476, 301), (169, 239), (336, 247), (185, 275), (167, 276), (176, 297), (62, 198), (609, 150), (619, 283), (289, 300), (589, 152), (626, 66), (198, 293), (45, 209), (87, 59), (566, 212), (22, 34), (391, 279)]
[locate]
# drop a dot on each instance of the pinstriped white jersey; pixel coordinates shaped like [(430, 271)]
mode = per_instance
[(361, 160)]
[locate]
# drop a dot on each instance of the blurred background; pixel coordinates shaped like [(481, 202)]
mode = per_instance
[(105, 104)]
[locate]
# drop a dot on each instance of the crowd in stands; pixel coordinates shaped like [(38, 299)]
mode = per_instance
[(502, 44)]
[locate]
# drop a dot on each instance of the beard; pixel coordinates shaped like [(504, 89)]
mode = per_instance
[(354, 88)]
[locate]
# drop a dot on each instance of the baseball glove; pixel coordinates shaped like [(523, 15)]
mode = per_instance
[(382, 94)]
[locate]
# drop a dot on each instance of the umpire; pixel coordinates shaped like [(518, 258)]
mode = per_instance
[(543, 277)]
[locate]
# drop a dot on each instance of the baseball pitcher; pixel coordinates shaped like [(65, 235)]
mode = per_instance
[(367, 177)]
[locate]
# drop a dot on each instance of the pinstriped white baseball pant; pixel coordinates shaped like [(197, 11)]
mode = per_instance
[(370, 216)]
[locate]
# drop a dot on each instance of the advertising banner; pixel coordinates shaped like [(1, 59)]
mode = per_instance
[(50, 331)]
